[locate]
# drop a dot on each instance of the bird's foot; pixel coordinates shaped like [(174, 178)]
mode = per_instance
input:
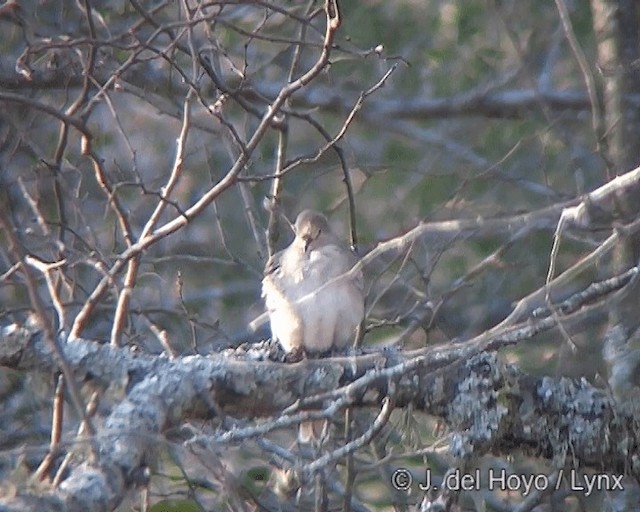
[(295, 355)]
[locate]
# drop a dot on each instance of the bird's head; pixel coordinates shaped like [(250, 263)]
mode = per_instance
[(309, 227)]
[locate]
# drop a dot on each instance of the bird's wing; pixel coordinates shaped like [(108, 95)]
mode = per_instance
[(273, 263)]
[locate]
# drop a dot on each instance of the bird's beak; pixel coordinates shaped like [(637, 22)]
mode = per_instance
[(307, 243)]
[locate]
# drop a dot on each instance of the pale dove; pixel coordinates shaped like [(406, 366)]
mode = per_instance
[(314, 301), (313, 294)]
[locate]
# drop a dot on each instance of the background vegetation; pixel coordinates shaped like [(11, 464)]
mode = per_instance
[(144, 181)]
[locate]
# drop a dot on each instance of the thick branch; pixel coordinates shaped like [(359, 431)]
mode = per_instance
[(490, 406)]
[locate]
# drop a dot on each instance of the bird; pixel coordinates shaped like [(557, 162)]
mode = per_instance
[(313, 293)]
